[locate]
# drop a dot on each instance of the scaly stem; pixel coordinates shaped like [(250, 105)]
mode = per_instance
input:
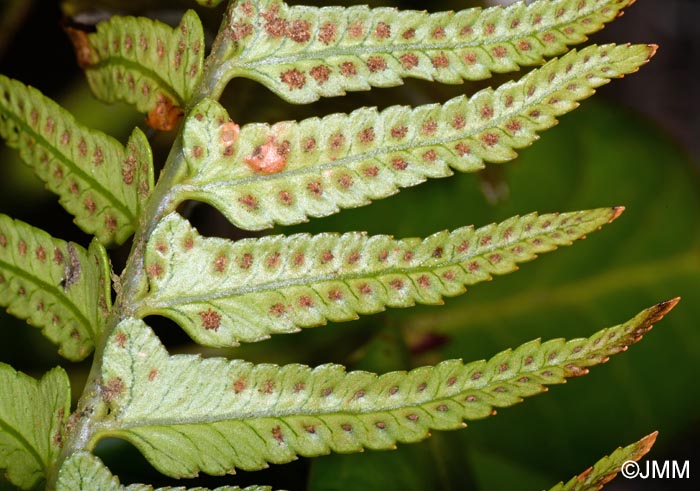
[(91, 406)]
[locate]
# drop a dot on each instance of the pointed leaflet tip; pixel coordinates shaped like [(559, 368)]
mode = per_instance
[(616, 212)]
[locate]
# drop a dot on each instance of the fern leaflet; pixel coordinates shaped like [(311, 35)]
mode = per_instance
[(187, 415)]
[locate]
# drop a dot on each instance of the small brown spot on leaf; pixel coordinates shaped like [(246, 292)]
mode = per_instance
[(286, 198), (110, 222), (268, 388), (306, 301), (396, 284), (409, 60), (430, 156), (424, 281), (82, 147), (380, 425), (152, 375), (320, 73), (441, 61), (298, 259), (327, 257), (348, 69), (249, 201), (345, 181), (273, 260), (327, 391), (383, 30), (299, 386), (220, 263), (335, 295), (246, 261), (239, 385), (327, 32), (548, 37), (293, 78), (365, 289), (412, 417), (463, 149), (346, 427), (41, 254), (315, 188), (371, 171), (278, 310), (399, 163), (211, 320), (277, 435), (429, 127), (490, 139), (356, 30), (299, 31), (367, 135), (376, 64), (499, 51)]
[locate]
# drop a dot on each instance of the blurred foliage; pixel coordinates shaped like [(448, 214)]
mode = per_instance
[(599, 156)]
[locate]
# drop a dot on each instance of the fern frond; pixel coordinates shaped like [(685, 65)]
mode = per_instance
[(32, 418), (187, 415), (145, 63), (605, 470), (85, 472), (287, 172), (303, 53), (56, 285), (102, 183), (223, 292)]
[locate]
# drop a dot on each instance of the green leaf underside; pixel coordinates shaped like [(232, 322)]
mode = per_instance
[(85, 472), (223, 292), (303, 53), (603, 471), (145, 62), (32, 415), (98, 180), (187, 414), (56, 285), (287, 172)]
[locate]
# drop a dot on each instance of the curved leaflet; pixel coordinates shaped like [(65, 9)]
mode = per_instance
[(223, 292), (145, 63), (32, 418), (98, 180), (289, 171), (57, 286), (187, 415), (303, 53)]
